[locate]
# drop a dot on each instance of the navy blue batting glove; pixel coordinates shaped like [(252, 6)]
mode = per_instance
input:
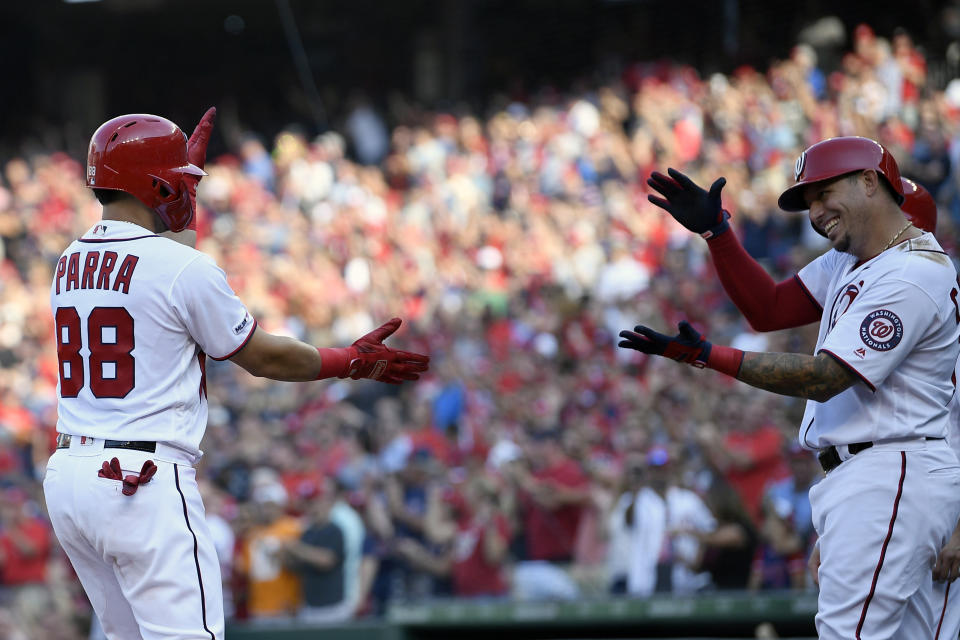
[(696, 209), (687, 346)]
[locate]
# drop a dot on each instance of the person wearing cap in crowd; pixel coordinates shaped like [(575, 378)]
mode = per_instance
[(274, 590), (662, 522), (877, 387), (327, 556)]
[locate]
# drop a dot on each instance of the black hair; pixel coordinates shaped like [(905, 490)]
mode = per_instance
[(109, 196)]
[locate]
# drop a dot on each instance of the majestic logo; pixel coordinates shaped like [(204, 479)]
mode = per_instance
[(860, 353), (799, 167), (881, 330)]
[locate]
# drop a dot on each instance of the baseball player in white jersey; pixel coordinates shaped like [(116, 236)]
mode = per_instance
[(135, 313), (878, 386)]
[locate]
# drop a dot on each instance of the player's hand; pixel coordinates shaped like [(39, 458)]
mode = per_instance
[(813, 564), (947, 566), (197, 155), (698, 210), (370, 358), (687, 346)]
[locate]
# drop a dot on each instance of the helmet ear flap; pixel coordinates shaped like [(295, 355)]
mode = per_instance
[(175, 207), (164, 191)]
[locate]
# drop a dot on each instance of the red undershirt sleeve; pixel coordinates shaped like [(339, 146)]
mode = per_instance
[(767, 305)]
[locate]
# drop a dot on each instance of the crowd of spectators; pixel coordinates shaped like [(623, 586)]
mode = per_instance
[(535, 459)]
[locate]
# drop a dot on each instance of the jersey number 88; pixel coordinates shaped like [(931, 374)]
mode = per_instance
[(110, 341)]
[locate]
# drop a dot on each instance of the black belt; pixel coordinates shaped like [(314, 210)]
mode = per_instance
[(63, 442), (830, 458)]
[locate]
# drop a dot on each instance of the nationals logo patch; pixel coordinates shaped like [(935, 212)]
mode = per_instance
[(881, 330)]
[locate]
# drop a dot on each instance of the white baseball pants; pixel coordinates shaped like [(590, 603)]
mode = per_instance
[(882, 517), (146, 561)]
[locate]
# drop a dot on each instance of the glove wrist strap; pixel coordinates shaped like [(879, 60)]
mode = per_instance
[(723, 227), (725, 360), (335, 363)]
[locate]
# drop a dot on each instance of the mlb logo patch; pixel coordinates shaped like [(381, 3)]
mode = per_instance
[(243, 324), (86, 441)]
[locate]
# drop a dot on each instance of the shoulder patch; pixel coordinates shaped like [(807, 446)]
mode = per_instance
[(881, 330), (243, 323)]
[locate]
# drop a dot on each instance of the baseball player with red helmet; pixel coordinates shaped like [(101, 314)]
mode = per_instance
[(135, 313), (878, 386)]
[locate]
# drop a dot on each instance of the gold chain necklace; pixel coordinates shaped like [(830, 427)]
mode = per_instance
[(894, 238)]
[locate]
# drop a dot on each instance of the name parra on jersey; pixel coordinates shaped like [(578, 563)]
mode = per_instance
[(135, 313)]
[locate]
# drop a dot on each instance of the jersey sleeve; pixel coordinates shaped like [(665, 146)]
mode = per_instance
[(212, 313), (881, 327), (815, 277)]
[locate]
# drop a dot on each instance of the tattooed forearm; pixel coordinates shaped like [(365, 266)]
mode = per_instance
[(793, 374)]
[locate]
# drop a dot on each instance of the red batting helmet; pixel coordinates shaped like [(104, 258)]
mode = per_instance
[(145, 156), (835, 157), (919, 205)]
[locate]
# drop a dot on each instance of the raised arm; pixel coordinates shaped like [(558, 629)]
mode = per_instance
[(767, 305)]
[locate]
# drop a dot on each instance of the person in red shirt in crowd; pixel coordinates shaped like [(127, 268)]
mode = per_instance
[(481, 541), (552, 493), (24, 542), (749, 454)]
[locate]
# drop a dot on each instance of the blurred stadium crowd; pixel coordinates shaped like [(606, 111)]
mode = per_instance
[(535, 460)]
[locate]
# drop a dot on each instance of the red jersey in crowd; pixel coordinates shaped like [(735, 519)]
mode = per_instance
[(20, 566), (551, 533), (473, 575)]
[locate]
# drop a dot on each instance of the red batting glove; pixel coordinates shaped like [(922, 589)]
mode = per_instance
[(132, 482), (112, 471), (197, 155), (369, 358)]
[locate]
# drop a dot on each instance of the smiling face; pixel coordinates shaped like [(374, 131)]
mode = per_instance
[(836, 208)]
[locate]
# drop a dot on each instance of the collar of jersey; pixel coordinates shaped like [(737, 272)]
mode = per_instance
[(117, 230)]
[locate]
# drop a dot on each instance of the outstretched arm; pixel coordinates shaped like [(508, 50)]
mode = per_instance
[(280, 358), (817, 377)]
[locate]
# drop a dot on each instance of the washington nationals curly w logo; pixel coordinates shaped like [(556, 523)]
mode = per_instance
[(843, 301), (881, 330)]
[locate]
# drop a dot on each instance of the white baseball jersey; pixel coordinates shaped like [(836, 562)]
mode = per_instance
[(894, 321), (135, 312)]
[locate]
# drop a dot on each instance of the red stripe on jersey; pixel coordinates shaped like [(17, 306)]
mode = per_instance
[(97, 240), (202, 359), (886, 541), (849, 367), (807, 291)]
